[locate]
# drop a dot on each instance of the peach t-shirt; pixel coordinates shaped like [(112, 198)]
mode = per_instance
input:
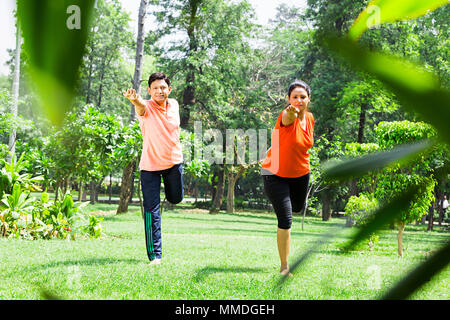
[(160, 127), (288, 156)]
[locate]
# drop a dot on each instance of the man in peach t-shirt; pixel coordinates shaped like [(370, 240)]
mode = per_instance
[(162, 156)]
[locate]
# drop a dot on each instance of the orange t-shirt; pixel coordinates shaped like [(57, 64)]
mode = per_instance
[(160, 127), (288, 156)]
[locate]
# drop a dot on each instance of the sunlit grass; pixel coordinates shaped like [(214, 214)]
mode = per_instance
[(224, 256)]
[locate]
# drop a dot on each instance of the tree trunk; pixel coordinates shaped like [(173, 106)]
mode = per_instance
[(15, 91), (218, 194), (132, 186), (213, 185), (97, 185), (100, 89), (141, 205), (189, 91), (353, 191), (232, 179), (195, 192), (370, 245), (188, 99), (230, 193), (93, 190), (401, 228), (105, 64), (88, 90), (110, 187), (139, 53), (58, 182), (362, 122), (439, 196), (326, 206), (310, 187), (84, 196), (126, 187), (430, 218), (66, 185), (80, 190), (424, 219)]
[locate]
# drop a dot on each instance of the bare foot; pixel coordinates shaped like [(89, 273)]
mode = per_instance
[(285, 272), (155, 262)]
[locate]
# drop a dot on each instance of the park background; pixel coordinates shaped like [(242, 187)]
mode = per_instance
[(229, 70)]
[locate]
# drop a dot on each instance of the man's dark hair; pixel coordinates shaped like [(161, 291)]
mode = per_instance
[(158, 76), (301, 84)]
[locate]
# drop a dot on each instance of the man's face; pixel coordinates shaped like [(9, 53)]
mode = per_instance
[(159, 91)]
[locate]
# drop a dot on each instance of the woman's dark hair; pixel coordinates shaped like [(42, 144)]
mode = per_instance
[(301, 84), (158, 76)]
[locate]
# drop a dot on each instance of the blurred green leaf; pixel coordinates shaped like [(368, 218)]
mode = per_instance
[(362, 165), (385, 215), (54, 43), (47, 295), (381, 11), (420, 275), (416, 88)]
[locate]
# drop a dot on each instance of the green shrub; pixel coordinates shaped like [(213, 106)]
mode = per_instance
[(360, 209), (11, 173), (22, 216), (94, 228)]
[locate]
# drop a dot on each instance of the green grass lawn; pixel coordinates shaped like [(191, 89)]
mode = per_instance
[(224, 256)]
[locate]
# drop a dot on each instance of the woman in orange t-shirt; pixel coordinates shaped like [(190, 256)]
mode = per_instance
[(285, 169)]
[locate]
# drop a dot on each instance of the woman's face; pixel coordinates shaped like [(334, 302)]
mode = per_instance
[(299, 98)]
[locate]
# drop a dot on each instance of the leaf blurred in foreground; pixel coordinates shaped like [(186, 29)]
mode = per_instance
[(420, 275), (47, 295), (388, 213), (416, 88), (55, 34), (380, 218), (359, 166), (382, 11)]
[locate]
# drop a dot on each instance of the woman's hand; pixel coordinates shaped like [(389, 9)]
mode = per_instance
[(289, 115), (292, 111)]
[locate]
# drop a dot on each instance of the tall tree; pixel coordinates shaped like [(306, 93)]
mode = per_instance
[(103, 66), (210, 66), (360, 106), (126, 188), (15, 89)]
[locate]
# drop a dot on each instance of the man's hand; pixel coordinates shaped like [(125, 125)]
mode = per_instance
[(131, 94), (136, 100)]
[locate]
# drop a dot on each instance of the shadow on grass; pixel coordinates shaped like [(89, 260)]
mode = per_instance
[(81, 262), (128, 217), (219, 231), (206, 271), (272, 221)]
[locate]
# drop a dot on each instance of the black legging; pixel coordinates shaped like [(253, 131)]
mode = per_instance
[(286, 195)]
